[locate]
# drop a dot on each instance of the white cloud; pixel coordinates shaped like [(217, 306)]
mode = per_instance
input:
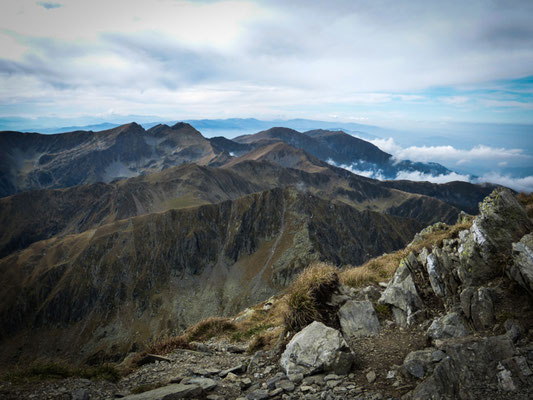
[(449, 154), (117, 49), (519, 184), (419, 176), (524, 184)]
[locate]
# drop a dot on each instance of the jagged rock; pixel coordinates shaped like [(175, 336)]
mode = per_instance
[(358, 319), (482, 309), (467, 369), (521, 270), (316, 348), (401, 294), (477, 305), (449, 326), (259, 394), (416, 363), (440, 266), (487, 245), (513, 329), (170, 392)]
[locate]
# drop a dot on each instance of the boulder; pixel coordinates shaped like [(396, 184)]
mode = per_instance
[(449, 326), (521, 270), (358, 319), (314, 349), (469, 369), (401, 294), (417, 363)]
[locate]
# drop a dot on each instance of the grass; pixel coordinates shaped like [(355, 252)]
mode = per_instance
[(383, 268), (41, 370), (307, 295), (527, 202)]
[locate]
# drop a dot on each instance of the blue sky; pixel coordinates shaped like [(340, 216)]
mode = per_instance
[(416, 66)]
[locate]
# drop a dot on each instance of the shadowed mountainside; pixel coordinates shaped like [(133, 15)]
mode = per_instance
[(103, 288)]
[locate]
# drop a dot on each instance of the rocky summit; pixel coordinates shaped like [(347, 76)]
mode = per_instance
[(159, 264)]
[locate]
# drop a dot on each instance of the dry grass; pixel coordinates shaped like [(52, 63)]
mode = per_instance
[(375, 270), (527, 202), (383, 268), (306, 297)]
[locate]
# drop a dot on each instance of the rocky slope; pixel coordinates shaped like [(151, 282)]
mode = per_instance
[(340, 148), (176, 267), (36, 215), (33, 161), (455, 321)]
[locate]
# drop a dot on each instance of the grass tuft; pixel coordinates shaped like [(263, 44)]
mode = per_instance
[(307, 295)]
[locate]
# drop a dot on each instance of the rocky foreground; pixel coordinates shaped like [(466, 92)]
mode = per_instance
[(454, 322)]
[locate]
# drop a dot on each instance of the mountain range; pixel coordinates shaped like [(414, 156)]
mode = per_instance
[(104, 228)]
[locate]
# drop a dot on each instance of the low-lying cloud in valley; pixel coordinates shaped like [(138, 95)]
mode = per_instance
[(490, 158)]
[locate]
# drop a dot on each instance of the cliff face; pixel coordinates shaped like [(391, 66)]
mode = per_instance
[(122, 283)]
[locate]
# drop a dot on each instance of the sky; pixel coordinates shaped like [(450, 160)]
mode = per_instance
[(399, 64)]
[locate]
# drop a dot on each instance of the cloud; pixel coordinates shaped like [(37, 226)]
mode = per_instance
[(524, 184), (443, 178), (299, 58), (449, 154)]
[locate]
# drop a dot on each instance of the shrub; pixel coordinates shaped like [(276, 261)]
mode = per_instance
[(307, 296)]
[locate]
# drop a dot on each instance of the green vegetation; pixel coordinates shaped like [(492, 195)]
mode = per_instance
[(57, 369)]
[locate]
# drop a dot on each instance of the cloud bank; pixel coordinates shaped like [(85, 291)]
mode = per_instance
[(354, 59)]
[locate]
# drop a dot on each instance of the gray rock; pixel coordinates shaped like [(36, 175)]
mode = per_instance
[(482, 309), (513, 329), (286, 386), (206, 384), (502, 221), (418, 362), (358, 319), (521, 269), (371, 377), (449, 326), (258, 395), (469, 367), (80, 394), (314, 349), (233, 370), (371, 293), (170, 392), (401, 294)]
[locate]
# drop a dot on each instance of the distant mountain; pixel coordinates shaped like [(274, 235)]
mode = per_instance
[(342, 149), (33, 161)]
